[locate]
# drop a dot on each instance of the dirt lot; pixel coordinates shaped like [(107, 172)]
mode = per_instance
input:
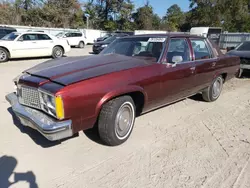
[(188, 144)]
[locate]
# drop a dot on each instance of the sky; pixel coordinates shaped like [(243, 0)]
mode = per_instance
[(161, 6)]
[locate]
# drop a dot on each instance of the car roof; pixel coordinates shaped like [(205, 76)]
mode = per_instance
[(30, 32), (166, 35)]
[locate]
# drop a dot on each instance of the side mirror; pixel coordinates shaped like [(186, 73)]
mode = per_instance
[(177, 59), (230, 48), (20, 39)]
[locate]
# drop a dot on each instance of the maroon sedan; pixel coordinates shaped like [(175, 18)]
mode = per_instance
[(133, 75)]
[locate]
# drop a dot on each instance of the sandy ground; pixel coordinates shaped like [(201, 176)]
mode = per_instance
[(188, 144)]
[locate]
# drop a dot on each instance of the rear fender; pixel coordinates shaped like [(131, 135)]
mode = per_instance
[(118, 92)]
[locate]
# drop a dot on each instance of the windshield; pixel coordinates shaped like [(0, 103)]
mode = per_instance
[(138, 47), (61, 34), (11, 36), (245, 46), (110, 39)]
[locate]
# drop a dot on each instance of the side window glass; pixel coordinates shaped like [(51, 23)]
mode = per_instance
[(200, 48), (43, 37), (178, 51), (79, 34), (27, 37), (68, 34)]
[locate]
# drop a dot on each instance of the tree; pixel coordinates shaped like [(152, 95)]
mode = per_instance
[(143, 18), (174, 18)]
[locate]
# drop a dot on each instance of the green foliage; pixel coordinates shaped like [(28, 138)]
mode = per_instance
[(174, 18)]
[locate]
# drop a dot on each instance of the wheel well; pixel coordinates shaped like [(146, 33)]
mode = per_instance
[(6, 50), (60, 47), (224, 76), (82, 41), (139, 99)]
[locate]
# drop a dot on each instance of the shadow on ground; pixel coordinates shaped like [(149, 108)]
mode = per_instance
[(35, 135), (7, 167), (93, 135)]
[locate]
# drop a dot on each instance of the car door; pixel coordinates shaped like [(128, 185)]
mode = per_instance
[(205, 62), (178, 72), (25, 46), (45, 44)]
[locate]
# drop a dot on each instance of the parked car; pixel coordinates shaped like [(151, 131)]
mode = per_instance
[(133, 75), (242, 51), (6, 30), (31, 44), (104, 37), (75, 39), (99, 46)]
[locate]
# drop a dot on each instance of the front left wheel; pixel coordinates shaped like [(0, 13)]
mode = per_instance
[(116, 120), (57, 52)]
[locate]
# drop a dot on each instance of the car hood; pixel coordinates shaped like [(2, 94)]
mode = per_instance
[(242, 54), (70, 70), (101, 43)]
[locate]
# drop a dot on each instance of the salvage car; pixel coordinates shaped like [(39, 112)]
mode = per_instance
[(132, 76), (242, 51), (31, 44)]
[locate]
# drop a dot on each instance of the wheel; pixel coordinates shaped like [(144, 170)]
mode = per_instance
[(57, 52), (116, 120), (213, 92), (81, 44), (4, 55)]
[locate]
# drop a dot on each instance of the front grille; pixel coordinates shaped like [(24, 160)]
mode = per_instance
[(29, 96), (245, 61)]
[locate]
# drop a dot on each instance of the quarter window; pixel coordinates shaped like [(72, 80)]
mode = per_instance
[(178, 51), (201, 50)]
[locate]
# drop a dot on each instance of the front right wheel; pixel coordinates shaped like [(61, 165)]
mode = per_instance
[(213, 92), (116, 120)]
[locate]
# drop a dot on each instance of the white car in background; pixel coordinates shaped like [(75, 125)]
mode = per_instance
[(32, 44), (75, 38)]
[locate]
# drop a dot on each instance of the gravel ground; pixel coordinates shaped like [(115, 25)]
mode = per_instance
[(188, 144)]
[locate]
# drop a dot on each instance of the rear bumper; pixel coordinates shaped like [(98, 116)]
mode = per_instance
[(48, 127)]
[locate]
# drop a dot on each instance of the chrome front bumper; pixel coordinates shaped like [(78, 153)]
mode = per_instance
[(48, 127)]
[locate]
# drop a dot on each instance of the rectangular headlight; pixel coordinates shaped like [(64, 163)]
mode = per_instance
[(52, 105)]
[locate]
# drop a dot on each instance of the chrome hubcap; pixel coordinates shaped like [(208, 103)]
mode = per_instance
[(3, 55), (58, 53), (124, 120), (217, 88)]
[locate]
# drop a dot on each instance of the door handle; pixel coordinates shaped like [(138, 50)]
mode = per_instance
[(34, 42), (213, 64)]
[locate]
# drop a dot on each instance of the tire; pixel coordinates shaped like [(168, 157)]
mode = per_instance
[(4, 55), (116, 120), (57, 52), (81, 44), (212, 93)]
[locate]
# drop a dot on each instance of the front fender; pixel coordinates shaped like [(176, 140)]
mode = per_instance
[(118, 92)]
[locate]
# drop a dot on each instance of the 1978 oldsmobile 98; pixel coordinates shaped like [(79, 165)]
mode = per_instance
[(133, 75)]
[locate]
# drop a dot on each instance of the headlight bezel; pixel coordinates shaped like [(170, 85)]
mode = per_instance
[(51, 105)]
